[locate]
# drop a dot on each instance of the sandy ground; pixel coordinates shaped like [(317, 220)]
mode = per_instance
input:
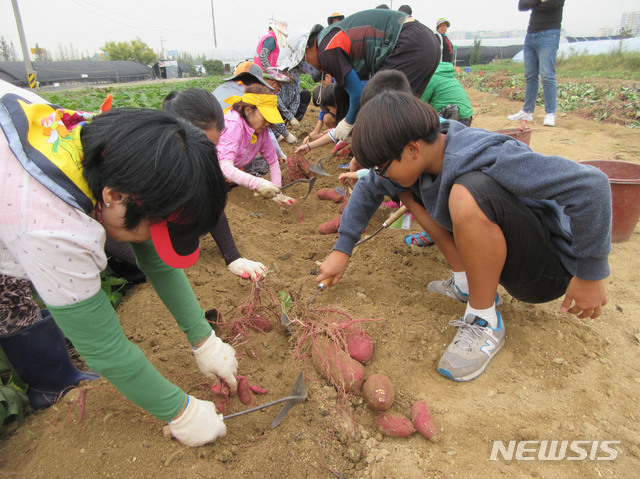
[(557, 378)]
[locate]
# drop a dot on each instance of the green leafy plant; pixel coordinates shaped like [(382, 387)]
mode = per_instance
[(149, 95), (112, 286), (14, 403), (306, 82), (601, 102), (285, 301)]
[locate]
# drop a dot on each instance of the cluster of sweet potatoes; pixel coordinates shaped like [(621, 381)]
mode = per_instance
[(246, 394), (343, 364)]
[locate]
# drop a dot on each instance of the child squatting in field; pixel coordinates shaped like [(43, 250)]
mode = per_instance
[(538, 225)]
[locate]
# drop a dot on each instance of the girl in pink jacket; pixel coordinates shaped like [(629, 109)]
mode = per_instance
[(246, 151)]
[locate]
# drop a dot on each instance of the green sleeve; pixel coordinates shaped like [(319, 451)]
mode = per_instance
[(174, 290), (95, 331)]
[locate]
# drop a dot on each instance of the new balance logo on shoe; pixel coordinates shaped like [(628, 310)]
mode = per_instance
[(488, 347), (474, 345)]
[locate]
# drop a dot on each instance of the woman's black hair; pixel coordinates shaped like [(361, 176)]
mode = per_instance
[(196, 105), (336, 96), (387, 123), (313, 34), (165, 164)]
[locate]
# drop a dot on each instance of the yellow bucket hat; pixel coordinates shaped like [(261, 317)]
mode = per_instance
[(267, 105)]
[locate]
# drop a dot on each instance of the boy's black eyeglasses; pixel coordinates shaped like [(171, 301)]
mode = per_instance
[(382, 171)]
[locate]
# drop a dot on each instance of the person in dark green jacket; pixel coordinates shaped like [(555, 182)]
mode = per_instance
[(444, 89)]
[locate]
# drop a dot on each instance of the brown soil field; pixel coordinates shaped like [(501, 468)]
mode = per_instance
[(557, 378)]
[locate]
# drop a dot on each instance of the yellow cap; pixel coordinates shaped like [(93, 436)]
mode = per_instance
[(267, 105)]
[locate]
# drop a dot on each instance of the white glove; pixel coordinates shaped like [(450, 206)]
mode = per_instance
[(217, 359), (199, 423), (283, 199), (291, 139), (294, 122), (247, 268), (343, 129), (267, 189)]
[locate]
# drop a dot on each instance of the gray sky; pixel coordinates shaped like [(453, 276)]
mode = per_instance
[(187, 25)]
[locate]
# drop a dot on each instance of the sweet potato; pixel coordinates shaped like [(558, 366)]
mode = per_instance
[(330, 194), (220, 389), (221, 403), (336, 366), (257, 389), (261, 323), (298, 167), (346, 151), (331, 226), (359, 345), (378, 392), (339, 146), (245, 394), (394, 424), (423, 422), (342, 206)]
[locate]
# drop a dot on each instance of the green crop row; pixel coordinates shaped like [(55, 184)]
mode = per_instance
[(616, 104)]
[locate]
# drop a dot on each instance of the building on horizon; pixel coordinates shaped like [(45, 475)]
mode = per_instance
[(631, 22), (605, 31)]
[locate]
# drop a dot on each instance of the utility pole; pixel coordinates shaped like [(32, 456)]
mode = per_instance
[(31, 73), (213, 19)]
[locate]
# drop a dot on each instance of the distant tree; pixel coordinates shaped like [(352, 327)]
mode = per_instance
[(135, 50), (626, 32), (7, 51), (62, 54), (186, 57), (42, 54), (476, 55), (213, 67)]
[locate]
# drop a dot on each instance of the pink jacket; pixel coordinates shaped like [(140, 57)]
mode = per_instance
[(235, 151), (273, 57)]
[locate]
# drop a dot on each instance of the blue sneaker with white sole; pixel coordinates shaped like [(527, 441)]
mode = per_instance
[(474, 346), (419, 239)]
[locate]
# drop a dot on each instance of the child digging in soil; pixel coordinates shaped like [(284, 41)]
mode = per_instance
[(201, 109), (538, 225), (90, 175), (246, 136)]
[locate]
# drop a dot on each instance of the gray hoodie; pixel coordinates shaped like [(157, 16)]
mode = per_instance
[(575, 199)]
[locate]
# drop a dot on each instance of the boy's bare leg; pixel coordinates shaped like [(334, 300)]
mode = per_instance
[(481, 245), (440, 236)]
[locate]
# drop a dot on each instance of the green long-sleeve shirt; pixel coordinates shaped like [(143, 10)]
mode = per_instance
[(94, 329)]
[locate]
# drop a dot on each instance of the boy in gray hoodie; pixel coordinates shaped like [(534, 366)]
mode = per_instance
[(538, 225)]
